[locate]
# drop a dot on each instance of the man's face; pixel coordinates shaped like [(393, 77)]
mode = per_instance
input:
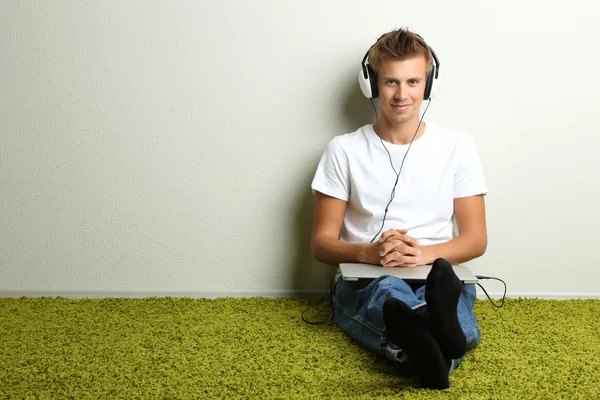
[(401, 85)]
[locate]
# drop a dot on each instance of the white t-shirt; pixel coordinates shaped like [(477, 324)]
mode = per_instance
[(441, 165)]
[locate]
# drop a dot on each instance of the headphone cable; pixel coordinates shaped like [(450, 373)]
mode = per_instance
[(486, 293), (393, 194), (334, 280)]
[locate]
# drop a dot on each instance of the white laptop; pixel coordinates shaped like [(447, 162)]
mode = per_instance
[(356, 271)]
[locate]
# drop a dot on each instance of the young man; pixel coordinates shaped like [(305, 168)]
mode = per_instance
[(409, 179)]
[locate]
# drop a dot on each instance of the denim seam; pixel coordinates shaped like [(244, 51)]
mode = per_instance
[(473, 338), (358, 319)]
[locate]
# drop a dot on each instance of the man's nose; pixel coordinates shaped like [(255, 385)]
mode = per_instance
[(400, 91)]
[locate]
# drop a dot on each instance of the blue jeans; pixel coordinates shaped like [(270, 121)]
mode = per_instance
[(358, 311)]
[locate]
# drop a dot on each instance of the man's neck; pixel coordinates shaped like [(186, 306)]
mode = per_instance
[(398, 133)]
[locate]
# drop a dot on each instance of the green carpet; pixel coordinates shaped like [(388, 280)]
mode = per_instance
[(260, 348)]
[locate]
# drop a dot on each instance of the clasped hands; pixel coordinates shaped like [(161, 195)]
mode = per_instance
[(396, 249)]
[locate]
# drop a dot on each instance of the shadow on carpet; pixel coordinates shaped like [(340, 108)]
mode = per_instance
[(260, 348)]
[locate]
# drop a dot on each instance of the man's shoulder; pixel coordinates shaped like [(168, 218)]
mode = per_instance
[(447, 133), (349, 140), (347, 145)]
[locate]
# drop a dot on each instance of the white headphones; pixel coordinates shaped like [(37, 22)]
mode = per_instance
[(368, 81)]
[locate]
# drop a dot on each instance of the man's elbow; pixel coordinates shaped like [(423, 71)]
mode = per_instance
[(480, 246), (320, 251), (316, 248)]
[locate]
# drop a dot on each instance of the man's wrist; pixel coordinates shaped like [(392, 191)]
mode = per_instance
[(366, 253), (427, 255)]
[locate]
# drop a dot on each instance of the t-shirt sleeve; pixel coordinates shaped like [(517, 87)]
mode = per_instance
[(468, 176), (332, 175)]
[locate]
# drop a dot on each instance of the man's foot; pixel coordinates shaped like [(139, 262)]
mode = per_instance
[(442, 291), (406, 329)]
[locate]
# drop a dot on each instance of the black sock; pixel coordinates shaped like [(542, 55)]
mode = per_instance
[(406, 330), (442, 291)]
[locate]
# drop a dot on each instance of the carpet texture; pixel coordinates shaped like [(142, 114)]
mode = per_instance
[(260, 348)]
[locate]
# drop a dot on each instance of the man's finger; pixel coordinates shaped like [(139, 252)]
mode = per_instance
[(410, 240), (389, 245), (400, 243), (396, 256), (408, 250), (387, 234), (391, 233), (409, 261), (390, 257), (404, 261), (396, 233), (407, 239)]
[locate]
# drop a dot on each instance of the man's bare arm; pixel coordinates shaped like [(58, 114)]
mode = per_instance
[(325, 243), (471, 241)]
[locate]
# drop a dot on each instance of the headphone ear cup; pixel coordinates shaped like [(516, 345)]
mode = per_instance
[(433, 80), (434, 86), (364, 83), (373, 82), (368, 85), (428, 85)]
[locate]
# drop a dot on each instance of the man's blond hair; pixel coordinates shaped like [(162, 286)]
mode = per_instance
[(399, 44)]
